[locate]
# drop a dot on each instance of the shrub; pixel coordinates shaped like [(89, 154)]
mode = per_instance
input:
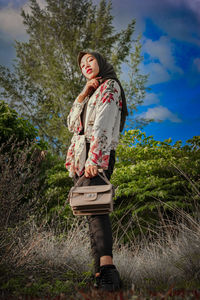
[(153, 176), (19, 181)]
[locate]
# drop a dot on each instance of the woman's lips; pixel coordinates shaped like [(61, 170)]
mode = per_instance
[(89, 70)]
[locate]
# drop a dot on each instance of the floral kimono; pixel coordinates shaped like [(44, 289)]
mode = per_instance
[(102, 124)]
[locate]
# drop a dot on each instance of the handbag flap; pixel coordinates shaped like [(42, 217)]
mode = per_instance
[(90, 196), (78, 199), (92, 189)]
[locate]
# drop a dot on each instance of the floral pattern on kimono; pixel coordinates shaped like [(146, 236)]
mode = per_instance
[(107, 110), (75, 161), (103, 133)]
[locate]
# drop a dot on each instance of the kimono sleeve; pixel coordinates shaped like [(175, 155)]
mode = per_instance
[(73, 119), (108, 107)]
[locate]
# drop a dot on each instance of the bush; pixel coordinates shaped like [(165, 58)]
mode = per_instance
[(155, 177), (12, 125), (56, 186), (28, 169), (19, 181)]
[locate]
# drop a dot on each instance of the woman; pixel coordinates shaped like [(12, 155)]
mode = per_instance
[(96, 118)]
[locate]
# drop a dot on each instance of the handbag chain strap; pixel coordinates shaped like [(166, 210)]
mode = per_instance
[(82, 178)]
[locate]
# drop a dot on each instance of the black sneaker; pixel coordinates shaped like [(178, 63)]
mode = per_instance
[(109, 279)]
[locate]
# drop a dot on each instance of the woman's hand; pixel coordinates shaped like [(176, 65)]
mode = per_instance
[(91, 85), (91, 171)]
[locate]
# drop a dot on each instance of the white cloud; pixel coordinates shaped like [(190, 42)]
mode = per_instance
[(151, 98), (160, 113), (161, 50), (26, 7), (11, 22), (157, 73), (179, 19), (162, 66), (193, 5), (196, 64)]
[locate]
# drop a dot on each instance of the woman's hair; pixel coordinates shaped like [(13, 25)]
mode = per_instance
[(106, 71)]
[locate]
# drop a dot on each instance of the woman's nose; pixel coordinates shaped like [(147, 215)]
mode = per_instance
[(87, 65)]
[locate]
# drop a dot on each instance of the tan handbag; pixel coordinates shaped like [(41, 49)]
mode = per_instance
[(91, 200)]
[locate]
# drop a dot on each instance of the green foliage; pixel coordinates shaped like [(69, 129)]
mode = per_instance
[(13, 126), (56, 186), (30, 171), (153, 176), (40, 284), (21, 156), (37, 287), (46, 77)]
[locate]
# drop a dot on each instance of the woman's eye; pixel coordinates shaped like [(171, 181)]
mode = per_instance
[(82, 66)]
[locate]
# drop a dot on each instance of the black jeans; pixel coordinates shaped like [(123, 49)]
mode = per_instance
[(99, 225)]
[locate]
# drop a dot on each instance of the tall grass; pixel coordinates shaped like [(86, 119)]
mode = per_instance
[(172, 259)]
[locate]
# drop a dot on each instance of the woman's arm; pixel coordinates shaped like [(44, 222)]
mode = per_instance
[(73, 120), (109, 105)]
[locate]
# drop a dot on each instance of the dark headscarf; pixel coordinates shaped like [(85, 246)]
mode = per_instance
[(106, 71)]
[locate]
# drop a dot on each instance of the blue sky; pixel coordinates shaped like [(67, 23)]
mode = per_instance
[(170, 32)]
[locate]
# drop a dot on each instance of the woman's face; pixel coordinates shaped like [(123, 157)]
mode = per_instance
[(89, 66)]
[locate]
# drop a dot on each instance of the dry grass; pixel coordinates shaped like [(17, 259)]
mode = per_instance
[(165, 257), (159, 264)]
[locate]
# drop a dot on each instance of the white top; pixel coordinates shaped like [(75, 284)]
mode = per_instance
[(102, 124)]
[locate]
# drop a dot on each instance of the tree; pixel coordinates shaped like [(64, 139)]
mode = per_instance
[(46, 78), (135, 87)]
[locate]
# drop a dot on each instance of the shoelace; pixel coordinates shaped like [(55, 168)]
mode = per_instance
[(107, 276)]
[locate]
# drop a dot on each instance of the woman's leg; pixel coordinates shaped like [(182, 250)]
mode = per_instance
[(101, 240), (100, 227), (107, 276)]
